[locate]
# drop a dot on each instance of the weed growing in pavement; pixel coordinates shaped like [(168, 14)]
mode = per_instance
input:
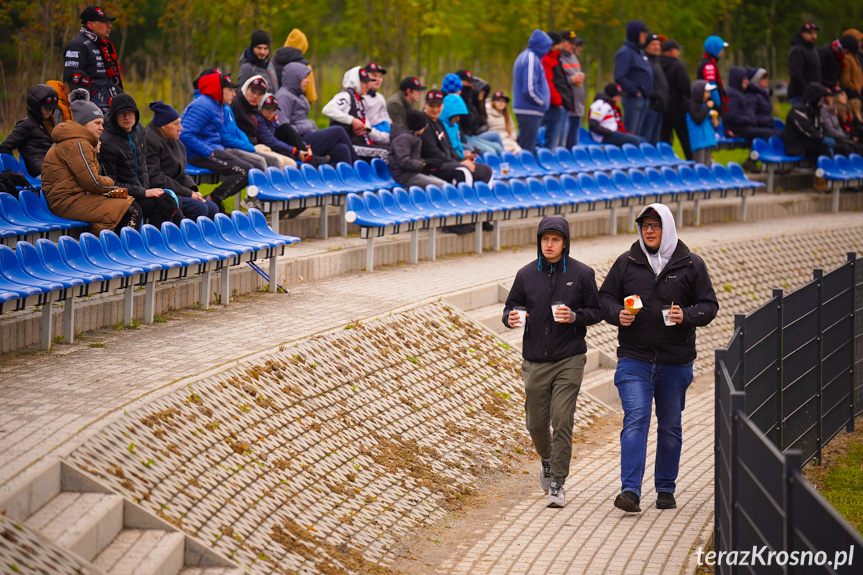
[(98, 344)]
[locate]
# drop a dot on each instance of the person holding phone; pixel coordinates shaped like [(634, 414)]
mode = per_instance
[(655, 357)]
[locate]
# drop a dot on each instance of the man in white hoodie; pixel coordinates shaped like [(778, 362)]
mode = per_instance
[(348, 110), (656, 347)]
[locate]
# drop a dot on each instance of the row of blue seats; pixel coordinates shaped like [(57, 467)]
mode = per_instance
[(398, 206), (30, 215), (10, 162), (306, 181), (772, 151), (841, 169)]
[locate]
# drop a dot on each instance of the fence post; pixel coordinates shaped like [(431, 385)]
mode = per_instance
[(852, 261), (720, 355), (778, 296), (793, 462), (740, 323), (738, 402), (818, 275)]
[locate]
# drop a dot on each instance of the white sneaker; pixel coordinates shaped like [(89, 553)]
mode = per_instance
[(556, 495), (545, 474)]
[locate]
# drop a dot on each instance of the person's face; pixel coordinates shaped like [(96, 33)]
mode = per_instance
[(413, 96), (253, 97), (173, 130), (721, 53), (827, 100), (654, 48), (552, 244), (433, 109), (454, 119), (642, 38), (305, 82), (469, 83), (261, 51), (578, 49), (617, 99), (674, 53), (268, 113), (567, 46), (46, 113), (375, 80), (810, 36), (126, 119), (651, 233), (744, 83), (842, 98), (100, 29), (96, 126), (499, 105), (227, 96), (764, 82)]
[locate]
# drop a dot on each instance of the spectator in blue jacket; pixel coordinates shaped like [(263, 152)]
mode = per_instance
[(633, 73), (702, 121), (530, 92), (202, 124)]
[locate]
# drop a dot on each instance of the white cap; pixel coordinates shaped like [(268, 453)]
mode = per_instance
[(709, 87)]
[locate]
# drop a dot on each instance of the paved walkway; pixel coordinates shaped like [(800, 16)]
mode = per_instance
[(50, 403)]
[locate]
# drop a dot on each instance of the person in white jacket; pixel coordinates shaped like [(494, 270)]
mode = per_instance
[(500, 121), (347, 110), (376, 103)]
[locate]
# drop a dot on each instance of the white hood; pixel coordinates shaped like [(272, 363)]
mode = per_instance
[(351, 79), (667, 245), (245, 88)]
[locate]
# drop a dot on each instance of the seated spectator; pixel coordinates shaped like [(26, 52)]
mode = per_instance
[(454, 109), (474, 127), (702, 121), (758, 94), (294, 117), (282, 138), (63, 93), (500, 121), (166, 162), (410, 92), (739, 119), (376, 104), (123, 157), (851, 77), (438, 147), (202, 124), (451, 84), (804, 128), (246, 107), (255, 61), (405, 159), (285, 56), (347, 110), (606, 121), (235, 140), (478, 98), (849, 123), (31, 136), (70, 175), (844, 144)]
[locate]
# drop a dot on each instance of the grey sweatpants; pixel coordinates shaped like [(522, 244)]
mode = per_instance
[(551, 392)]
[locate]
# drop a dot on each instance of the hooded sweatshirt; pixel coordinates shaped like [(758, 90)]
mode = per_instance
[(804, 66), (631, 68), (540, 283), (453, 105), (530, 92), (31, 135), (202, 119), (708, 69), (347, 105), (293, 104), (804, 129), (851, 77), (297, 39), (245, 114), (740, 112), (701, 131), (65, 111), (671, 275), (123, 155)]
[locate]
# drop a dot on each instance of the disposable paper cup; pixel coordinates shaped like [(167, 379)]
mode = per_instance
[(554, 306), (504, 168), (666, 315), (522, 315)]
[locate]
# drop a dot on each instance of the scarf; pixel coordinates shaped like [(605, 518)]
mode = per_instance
[(109, 54), (361, 113)]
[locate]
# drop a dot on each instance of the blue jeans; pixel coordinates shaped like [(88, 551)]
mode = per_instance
[(487, 142), (652, 126), (528, 126), (572, 134), (639, 383), (194, 208), (634, 109), (556, 121)]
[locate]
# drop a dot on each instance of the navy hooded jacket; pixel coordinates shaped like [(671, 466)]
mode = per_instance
[(540, 283), (631, 68), (530, 92), (740, 113)]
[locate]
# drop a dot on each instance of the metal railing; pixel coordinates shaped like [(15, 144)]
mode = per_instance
[(788, 382)]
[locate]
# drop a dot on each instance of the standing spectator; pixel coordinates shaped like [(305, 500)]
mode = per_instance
[(202, 123), (255, 61), (297, 39), (245, 106), (499, 120), (804, 128), (376, 104), (166, 162), (852, 76), (804, 66), (605, 121), (90, 60), (123, 158), (71, 177), (32, 135), (652, 127), (832, 58), (708, 70), (570, 52), (553, 346), (556, 119), (347, 110), (655, 355), (740, 120), (679, 89), (530, 93), (702, 121), (405, 158), (63, 93), (632, 72), (758, 94), (410, 92), (438, 146)]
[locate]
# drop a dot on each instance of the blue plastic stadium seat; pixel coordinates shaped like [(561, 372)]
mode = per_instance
[(529, 164), (624, 183), (688, 178), (133, 243), (564, 159), (537, 191), (640, 184), (778, 147), (845, 167), (672, 180), (657, 182), (437, 199), (156, 245), (581, 158), (17, 280), (313, 180), (421, 202), (115, 251), (706, 177), (856, 163), (519, 191), (666, 152), (570, 188), (281, 189), (382, 173), (11, 212), (228, 231), (392, 208), (599, 159), (778, 124), (515, 168), (724, 177), (405, 203), (616, 158), (485, 194), (375, 208), (210, 234), (735, 170), (634, 155), (194, 238), (35, 209), (651, 155), (606, 187), (295, 179), (588, 186), (74, 256), (548, 162), (196, 171), (49, 253), (260, 227), (32, 265), (349, 178), (503, 192)]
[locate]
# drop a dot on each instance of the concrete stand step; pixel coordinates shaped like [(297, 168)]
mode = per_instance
[(143, 552), (212, 571)]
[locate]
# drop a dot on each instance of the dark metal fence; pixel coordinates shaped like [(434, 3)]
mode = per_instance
[(788, 382)]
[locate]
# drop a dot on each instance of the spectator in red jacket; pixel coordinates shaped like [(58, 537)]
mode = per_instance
[(555, 120)]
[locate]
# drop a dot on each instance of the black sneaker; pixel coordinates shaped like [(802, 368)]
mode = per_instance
[(218, 202), (544, 474), (628, 501), (316, 161), (556, 496), (665, 500)]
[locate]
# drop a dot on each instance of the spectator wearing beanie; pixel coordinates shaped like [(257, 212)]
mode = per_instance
[(297, 40), (255, 61), (570, 52), (633, 74), (410, 92), (70, 175), (166, 162), (451, 84), (708, 70), (804, 66), (405, 159), (556, 118), (679, 90), (740, 120), (758, 94), (531, 96), (652, 126), (851, 77), (605, 119), (31, 136)]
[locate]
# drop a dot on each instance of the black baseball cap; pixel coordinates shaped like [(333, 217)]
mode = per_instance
[(649, 213), (258, 84), (374, 67), (434, 96), (270, 102), (571, 37), (51, 101), (464, 75), (411, 83), (611, 89), (364, 76), (226, 81), (500, 96), (809, 27), (94, 14), (206, 72), (669, 45)]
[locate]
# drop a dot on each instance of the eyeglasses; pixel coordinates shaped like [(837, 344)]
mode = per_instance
[(655, 227)]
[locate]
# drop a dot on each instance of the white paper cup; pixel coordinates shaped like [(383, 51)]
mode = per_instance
[(522, 316), (666, 315), (554, 307)]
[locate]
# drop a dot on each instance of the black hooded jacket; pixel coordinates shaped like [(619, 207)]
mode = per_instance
[(659, 96), (804, 130), (30, 136), (831, 66), (436, 144), (679, 85), (540, 283), (740, 114), (246, 116), (804, 66), (285, 56), (123, 156)]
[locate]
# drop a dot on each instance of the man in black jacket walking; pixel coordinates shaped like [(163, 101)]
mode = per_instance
[(553, 292), (656, 348), (679, 88)]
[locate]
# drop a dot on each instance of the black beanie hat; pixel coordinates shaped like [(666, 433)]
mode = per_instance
[(415, 120), (611, 90), (260, 37), (163, 114)]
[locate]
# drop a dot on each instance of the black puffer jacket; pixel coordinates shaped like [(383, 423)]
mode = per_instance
[(436, 143), (804, 66), (246, 116), (804, 130), (282, 58), (123, 156), (831, 65), (405, 157), (166, 163), (740, 114), (540, 283), (683, 281), (659, 96), (30, 136), (679, 85)]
